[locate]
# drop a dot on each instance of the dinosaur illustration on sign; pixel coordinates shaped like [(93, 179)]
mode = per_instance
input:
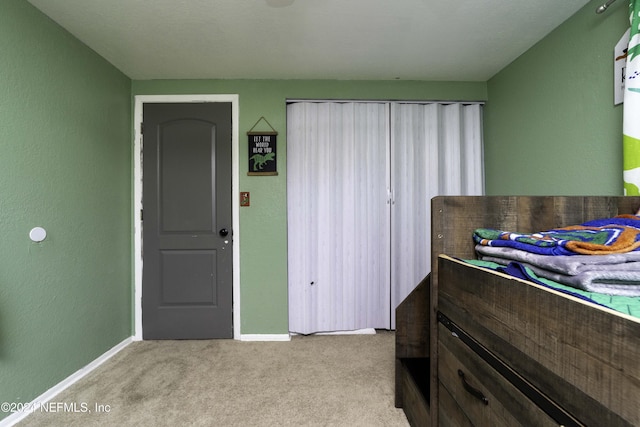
[(259, 160)]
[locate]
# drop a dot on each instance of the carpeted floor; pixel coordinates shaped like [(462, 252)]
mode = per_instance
[(335, 380)]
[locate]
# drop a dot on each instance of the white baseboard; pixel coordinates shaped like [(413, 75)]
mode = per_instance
[(264, 337), (366, 331), (34, 405)]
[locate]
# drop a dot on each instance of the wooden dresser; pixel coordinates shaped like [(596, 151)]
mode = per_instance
[(478, 383), (501, 351)]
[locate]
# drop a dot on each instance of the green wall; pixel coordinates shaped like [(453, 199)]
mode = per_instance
[(550, 128), (263, 234), (65, 165), (550, 123)]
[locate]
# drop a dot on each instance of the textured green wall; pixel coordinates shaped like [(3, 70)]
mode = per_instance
[(65, 165), (550, 123), (263, 239)]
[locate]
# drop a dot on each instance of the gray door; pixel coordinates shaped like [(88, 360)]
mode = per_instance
[(187, 238)]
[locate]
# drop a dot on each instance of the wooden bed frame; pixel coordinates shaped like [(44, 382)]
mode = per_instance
[(480, 348)]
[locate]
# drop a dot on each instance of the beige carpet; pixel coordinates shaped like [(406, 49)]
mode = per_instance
[(344, 380)]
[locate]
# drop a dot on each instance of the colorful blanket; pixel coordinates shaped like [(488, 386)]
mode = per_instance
[(614, 274), (619, 234)]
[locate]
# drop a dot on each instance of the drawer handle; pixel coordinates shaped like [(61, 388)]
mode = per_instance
[(473, 391)]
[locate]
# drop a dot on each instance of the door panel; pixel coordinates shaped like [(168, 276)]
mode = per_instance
[(188, 277), (187, 263), (192, 143)]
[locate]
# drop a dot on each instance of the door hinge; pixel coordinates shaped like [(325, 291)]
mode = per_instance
[(141, 214), (141, 128)]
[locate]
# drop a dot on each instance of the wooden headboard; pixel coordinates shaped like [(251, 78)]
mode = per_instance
[(453, 218)]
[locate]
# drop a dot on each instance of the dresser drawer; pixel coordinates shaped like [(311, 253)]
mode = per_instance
[(472, 392)]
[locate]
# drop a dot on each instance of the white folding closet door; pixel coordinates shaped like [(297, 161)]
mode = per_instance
[(360, 178), (436, 149), (338, 216), (415, 154)]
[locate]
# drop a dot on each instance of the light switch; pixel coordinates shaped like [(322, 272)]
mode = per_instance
[(245, 198)]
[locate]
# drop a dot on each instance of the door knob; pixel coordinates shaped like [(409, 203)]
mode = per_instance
[(223, 232)]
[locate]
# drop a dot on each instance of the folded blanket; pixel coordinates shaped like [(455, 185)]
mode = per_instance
[(620, 234), (567, 264), (616, 274), (517, 269)]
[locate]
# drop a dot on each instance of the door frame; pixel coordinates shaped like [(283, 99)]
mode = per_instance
[(139, 101)]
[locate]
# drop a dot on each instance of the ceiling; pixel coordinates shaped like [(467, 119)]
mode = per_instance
[(454, 40)]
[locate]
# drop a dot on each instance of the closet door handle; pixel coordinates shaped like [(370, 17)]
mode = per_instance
[(472, 390)]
